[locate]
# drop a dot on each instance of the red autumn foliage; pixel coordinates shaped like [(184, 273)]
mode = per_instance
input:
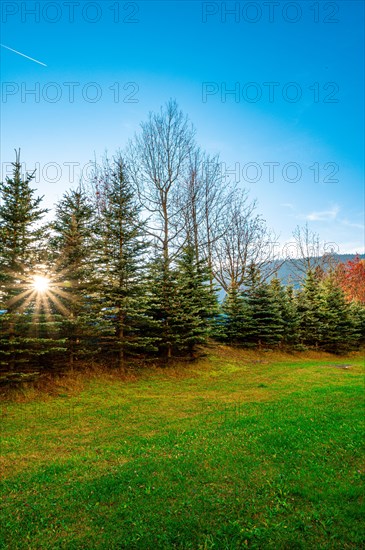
[(351, 278)]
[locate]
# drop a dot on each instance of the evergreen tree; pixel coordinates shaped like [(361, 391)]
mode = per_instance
[(185, 318), (337, 330), (122, 263), (290, 317), (285, 299), (357, 317), (20, 231), (194, 304), (266, 317), (267, 324), (21, 253), (238, 321), (76, 284), (160, 290), (310, 324)]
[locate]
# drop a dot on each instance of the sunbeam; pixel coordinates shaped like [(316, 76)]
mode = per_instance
[(40, 284), (40, 291)]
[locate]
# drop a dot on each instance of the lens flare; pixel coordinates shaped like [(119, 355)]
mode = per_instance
[(40, 292), (40, 284)]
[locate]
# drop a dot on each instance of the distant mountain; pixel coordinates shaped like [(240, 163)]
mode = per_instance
[(287, 273), (287, 270)]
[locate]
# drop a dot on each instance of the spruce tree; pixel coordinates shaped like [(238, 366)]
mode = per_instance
[(238, 321), (160, 290), (194, 304), (310, 324), (266, 321), (21, 251), (285, 299), (337, 332), (357, 317), (184, 318), (122, 262), (266, 316), (76, 288)]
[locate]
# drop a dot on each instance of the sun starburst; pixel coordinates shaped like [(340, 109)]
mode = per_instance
[(40, 284), (40, 291)]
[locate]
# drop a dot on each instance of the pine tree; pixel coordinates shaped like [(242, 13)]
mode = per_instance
[(122, 263), (285, 299), (194, 304), (238, 321), (21, 253), (76, 284), (310, 324), (160, 290), (357, 317), (184, 318), (266, 317), (267, 324), (337, 331), (20, 231)]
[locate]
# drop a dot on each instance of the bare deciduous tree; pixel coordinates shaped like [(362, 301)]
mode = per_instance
[(158, 164), (246, 241), (307, 252), (205, 204)]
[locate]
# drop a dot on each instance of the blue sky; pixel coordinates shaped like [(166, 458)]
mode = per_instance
[(292, 132)]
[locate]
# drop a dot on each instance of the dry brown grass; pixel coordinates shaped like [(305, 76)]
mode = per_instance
[(72, 383)]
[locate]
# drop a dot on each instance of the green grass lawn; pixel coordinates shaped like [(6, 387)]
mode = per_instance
[(236, 450)]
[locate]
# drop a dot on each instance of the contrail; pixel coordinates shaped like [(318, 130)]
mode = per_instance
[(23, 55)]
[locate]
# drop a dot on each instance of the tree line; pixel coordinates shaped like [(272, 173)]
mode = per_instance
[(130, 265)]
